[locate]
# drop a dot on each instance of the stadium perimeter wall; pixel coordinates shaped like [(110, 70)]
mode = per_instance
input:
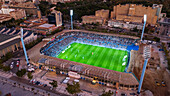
[(119, 80)]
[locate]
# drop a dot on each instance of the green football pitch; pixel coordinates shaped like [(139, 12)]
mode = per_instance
[(103, 57)]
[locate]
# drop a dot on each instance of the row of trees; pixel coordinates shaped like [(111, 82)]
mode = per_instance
[(4, 68), (6, 57), (56, 31), (166, 54), (88, 7), (75, 88), (11, 23), (21, 72), (31, 44)]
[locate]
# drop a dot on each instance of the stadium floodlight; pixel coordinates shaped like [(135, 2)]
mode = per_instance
[(145, 18), (147, 55), (25, 52), (71, 15)]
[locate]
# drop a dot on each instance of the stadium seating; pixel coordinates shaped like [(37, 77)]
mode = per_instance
[(53, 48)]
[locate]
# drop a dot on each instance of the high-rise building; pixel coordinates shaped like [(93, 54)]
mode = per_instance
[(58, 18), (135, 13), (29, 7), (36, 2), (18, 14), (102, 13), (39, 13), (100, 16), (55, 18), (159, 9)]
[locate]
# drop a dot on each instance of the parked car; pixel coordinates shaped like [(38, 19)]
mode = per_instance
[(163, 84), (157, 83), (12, 65), (41, 83), (37, 83), (51, 88), (66, 80), (31, 69), (123, 94), (32, 81), (45, 85), (18, 62), (75, 80)]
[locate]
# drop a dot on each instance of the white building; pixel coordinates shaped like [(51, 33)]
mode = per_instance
[(127, 25), (6, 10)]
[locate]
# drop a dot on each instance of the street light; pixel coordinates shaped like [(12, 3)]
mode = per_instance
[(145, 18)]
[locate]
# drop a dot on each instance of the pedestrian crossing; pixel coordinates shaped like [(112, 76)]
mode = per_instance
[(5, 75)]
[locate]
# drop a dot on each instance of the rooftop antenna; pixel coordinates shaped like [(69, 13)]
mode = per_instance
[(25, 52)]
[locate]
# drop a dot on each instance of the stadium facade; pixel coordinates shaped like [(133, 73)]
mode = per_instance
[(119, 80)]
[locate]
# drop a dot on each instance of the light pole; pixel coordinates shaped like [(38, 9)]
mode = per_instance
[(71, 15), (147, 55), (25, 52), (145, 18)]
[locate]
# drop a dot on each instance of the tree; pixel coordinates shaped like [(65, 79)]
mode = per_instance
[(109, 93), (32, 89), (73, 88), (29, 75), (14, 84), (44, 7), (156, 39), (6, 68), (1, 66), (9, 94), (54, 84), (135, 29), (21, 72)]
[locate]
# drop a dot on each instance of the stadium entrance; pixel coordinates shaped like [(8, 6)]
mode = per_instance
[(73, 74)]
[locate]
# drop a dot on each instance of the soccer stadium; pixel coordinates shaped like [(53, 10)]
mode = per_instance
[(96, 57)]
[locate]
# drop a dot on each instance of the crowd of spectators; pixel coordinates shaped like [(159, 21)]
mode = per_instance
[(53, 48)]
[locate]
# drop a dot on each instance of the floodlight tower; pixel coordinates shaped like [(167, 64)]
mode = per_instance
[(145, 17), (147, 55), (25, 52), (71, 15)]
